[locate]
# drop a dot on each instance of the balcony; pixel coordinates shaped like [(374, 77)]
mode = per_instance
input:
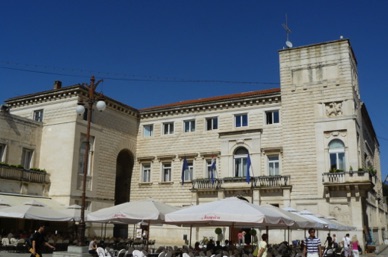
[(348, 177), (352, 182), (239, 183), (20, 174)]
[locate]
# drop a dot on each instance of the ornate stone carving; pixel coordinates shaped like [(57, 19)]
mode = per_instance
[(333, 109)]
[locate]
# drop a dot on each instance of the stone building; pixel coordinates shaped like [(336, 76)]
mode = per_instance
[(309, 144)]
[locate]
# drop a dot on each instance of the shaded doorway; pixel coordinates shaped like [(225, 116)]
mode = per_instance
[(124, 167)]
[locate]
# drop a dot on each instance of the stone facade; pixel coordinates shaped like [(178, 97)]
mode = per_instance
[(20, 135), (310, 143)]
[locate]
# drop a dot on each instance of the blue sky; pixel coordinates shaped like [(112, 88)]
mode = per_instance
[(154, 52)]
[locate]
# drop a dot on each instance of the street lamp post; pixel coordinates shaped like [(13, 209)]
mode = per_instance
[(91, 100)]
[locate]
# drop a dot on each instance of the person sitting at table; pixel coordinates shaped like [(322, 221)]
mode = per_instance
[(217, 248), (226, 246), (93, 247), (196, 249), (210, 246), (231, 246)]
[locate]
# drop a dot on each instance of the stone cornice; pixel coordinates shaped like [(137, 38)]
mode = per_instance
[(188, 155), (274, 149), (145, 158), (45, 96), (76, 91), (240, 132), (214, 103), (210, 154)]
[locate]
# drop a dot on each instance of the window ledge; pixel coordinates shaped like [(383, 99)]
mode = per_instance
[(145, 183), (166, 183)]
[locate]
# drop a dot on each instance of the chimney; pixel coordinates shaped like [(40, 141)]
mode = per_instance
[(57, 84)]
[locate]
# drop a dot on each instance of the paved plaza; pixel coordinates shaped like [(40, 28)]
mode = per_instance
[(383, 253)]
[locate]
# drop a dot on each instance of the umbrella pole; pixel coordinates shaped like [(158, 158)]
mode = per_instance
[(148, 235), (191, 231), (288, 235), (105, 233), (266, 231), (230, 232)]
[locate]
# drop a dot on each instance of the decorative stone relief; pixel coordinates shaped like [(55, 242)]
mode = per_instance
[(341, 212), (333, 109), (335, 134)]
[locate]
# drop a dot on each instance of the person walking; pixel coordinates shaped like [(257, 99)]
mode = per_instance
[(262, 247), (329, 241), (38, 242), (312, 246), (355, 245), (335, 243), (346, 244)]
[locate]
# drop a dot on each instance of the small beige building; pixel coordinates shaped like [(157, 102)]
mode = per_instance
[(309, 144)]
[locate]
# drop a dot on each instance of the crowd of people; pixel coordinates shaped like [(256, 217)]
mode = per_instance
[(311, 246), (347, 247)]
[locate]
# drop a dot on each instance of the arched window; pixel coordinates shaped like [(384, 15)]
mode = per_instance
[(337, 155), (240, 162)]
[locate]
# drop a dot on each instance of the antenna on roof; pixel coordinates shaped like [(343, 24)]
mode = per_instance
[(288, 32)]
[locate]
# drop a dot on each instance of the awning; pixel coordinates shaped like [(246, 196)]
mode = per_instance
[(7, 200)]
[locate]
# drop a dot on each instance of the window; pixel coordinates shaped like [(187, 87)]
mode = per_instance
[(188, 173), (272, 117), (146, 172), (241, 120), (189, 125), (166, 172), (148, 130), (85, 115), (88, 204), (2, 152), (168, 128), (26, 158), (337, 155), (82, 153), (240, 162), (211, 168), (38, 115), (273, 165), (211, 123)]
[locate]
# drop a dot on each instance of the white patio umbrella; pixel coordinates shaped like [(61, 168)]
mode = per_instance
[(328, 224), (74, 211), (300, 221), (226, 212), (314, 222), (33, 210), (4, 203), (339, 225), (231, 211), (133, 212)]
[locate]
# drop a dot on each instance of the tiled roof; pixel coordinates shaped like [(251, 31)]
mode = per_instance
[(216, 99)]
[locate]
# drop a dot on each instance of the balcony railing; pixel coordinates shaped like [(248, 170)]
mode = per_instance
[(348, 177), (233, 182), (13, 173), (272, 181)]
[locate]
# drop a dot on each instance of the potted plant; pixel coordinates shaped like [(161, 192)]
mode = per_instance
[(218, 232)]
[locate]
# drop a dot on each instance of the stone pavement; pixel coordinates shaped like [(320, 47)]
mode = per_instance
[(382, 252)]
